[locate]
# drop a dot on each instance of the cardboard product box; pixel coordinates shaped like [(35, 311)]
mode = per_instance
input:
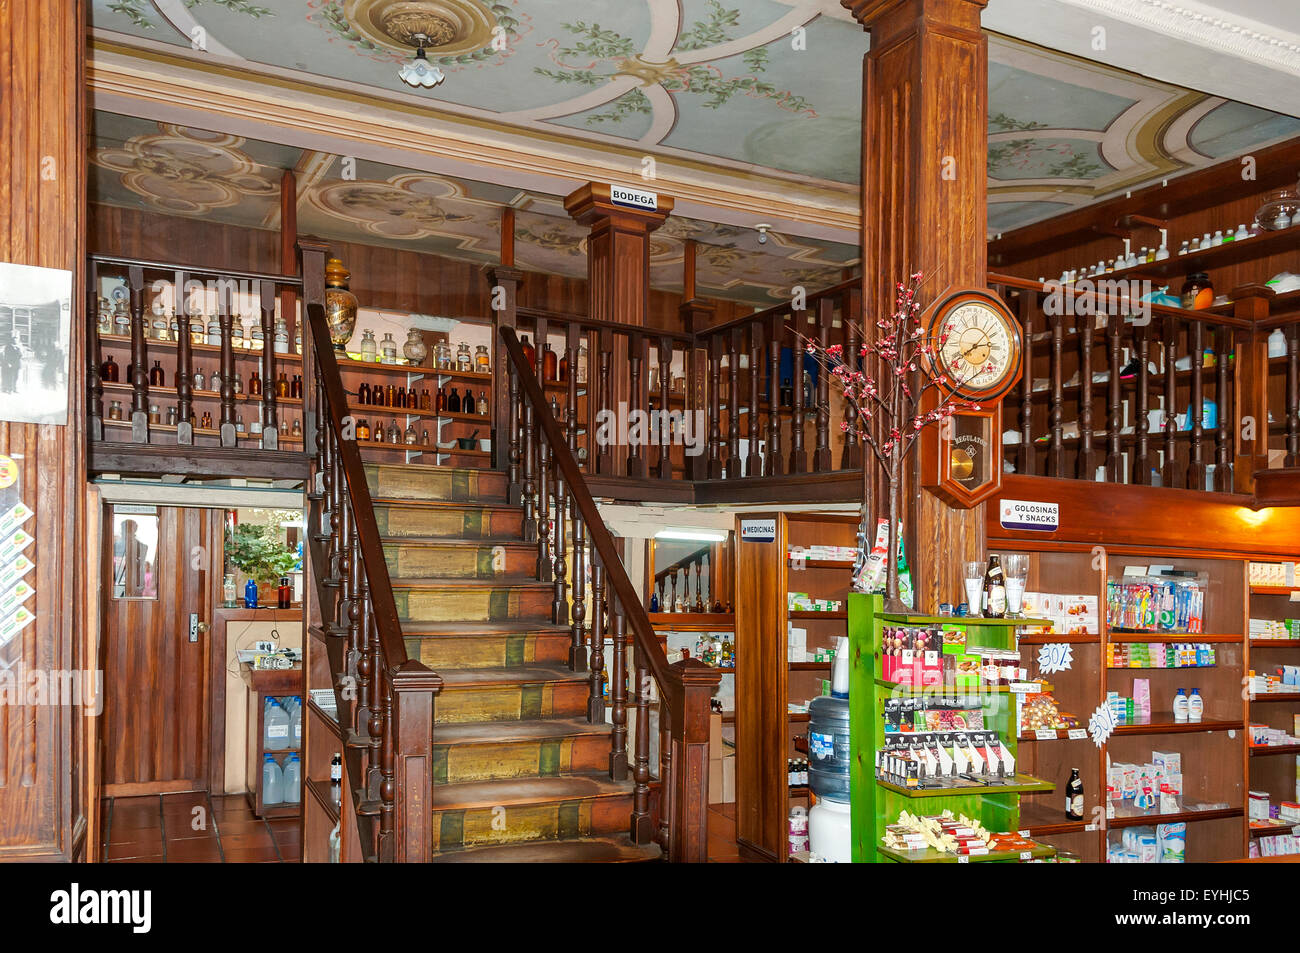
[(729, 778), (715, 736), (716, 780)]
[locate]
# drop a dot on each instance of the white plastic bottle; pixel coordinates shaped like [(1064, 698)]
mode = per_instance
[(277, 727), (292, 783), (272, 781), (1180, 706), (1195, 706), (295, 723)]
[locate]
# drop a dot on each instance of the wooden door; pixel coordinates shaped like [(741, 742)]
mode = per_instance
[(158, 575)]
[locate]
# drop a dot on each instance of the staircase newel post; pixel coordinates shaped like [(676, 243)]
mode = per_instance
[(689, 761), (504, 282), (414, 691)]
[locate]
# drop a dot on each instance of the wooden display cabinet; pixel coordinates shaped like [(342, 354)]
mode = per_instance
[(767, 732), (275, 683), (323, 737), (1274, 770)]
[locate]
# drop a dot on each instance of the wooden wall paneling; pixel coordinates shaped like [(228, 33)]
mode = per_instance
[(153, 236), (43, 781)]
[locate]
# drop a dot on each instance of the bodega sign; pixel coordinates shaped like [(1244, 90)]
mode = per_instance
[(1029, 514), (629, 197)]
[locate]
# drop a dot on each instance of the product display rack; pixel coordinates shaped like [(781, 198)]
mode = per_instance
[(1214, 751), (1274, 770), (876, 804), (767, 732)]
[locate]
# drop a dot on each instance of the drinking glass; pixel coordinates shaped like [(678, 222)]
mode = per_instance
[(974, 587), (1016, 567)]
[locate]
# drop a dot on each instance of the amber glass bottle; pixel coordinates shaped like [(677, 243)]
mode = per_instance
[(157, 375), (363, 393), (282, 386), (254, 385), (108, 371), (549, 371)]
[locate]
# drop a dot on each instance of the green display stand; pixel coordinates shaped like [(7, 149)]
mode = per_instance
[(875, 804)]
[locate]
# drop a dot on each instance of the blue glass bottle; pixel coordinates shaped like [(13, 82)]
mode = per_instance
[(250, 595), (654, 602)]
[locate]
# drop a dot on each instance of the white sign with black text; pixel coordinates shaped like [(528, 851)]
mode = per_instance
[(758, 531), (1029, 514)]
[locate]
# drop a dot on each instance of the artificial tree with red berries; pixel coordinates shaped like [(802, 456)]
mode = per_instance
[(899, 371)]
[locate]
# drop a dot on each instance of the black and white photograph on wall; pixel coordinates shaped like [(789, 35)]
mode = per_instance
[(35, 323)]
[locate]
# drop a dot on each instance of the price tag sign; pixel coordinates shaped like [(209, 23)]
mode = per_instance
[(1025, 688), (1055, 657), (1077, 734), (1023, 833), (1026, 855), (1045, 734), (1089, 827), (963, 859)]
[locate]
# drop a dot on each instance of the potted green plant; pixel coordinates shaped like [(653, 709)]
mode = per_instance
[(257, 552)]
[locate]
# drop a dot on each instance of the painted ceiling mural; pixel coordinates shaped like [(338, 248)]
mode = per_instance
[(767, 84), (181, 171)]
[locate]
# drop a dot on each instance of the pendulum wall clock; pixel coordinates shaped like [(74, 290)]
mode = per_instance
[(976, 342)]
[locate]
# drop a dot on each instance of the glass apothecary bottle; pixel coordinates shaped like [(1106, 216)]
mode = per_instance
[(464, 362), (159, 325), (214, 331), (388, 348), (1198, 292), (198, 381), (105, 323), (237, 333), (122, 320), (258, 340), (415, 350), (173, 325), (482, 361), (197, 334), (281, 336), (115, 410), (369, 350), (394, 432), (411, 436), (582, 363), (442, 354)]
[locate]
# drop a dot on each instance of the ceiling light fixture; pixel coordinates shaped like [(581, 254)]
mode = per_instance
[(687, 535), (762, 232), (420, 72)]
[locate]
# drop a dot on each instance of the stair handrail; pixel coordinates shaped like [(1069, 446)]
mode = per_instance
[(687, 827)]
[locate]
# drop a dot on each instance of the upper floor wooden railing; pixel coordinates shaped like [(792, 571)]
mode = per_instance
[(555, 499)]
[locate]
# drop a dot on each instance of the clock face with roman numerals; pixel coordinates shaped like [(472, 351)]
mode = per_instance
[(976, 344)]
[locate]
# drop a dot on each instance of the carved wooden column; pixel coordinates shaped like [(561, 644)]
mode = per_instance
[(1250, 399), (696, 315), (618, 270), (48, 767), (925, 106), (504, 282)]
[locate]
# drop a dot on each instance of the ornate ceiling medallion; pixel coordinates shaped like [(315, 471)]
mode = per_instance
[(448, 26)]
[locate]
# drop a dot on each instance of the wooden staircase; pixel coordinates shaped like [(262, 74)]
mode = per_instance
[(520, 774)]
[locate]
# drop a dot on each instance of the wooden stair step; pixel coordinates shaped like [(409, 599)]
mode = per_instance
[(514, 693), (459, 520), (485, 751), (456, 645), (480, 813), (482, 558), (589, 850), (425, 482), (442, 599)]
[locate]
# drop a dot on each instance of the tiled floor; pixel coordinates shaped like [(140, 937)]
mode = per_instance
[(194, 828)]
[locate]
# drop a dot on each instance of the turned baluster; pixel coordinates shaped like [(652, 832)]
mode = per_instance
[(822, 452), (96, 354), (641, 831), (513, 435), (1027, 308), (667, 779), (1292, 397), (1142, 423), (139, 359), (560, 603), (604, 448), (270, 415), (754, 460), (530, 485), (672, 605), (636, 458), (733, 405), (1196, 458), (578, 611), (850, 307), (596, 699), (574, 337), (686, 587), (343, 612), (1223, 396), (715, 407), (184, 364), (665, 356), (1085, 469), (699, 590), (227, 321), (1056, 455), (618, 694), (1169, 471), (545, 566), (387, 786), (774, 462), (798, 457), (1114, 467), (369, 663), (356, 634)]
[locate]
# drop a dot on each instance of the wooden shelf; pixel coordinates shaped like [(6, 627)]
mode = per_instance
[(1263, 751), (1177, 267), (198, 432), (320, 790), (348, 364), (805, 615), (1276, 697), (116, 387), (976, 620), (810, 666), (1139, 819), (380, 410), (1162, 722), (150, 344), (1022, 784), (693, 621), (1272, 830), (1041, 821), (822, 563), (1053, 639), (1274, 643), (1174, 637), (1273, 590)]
